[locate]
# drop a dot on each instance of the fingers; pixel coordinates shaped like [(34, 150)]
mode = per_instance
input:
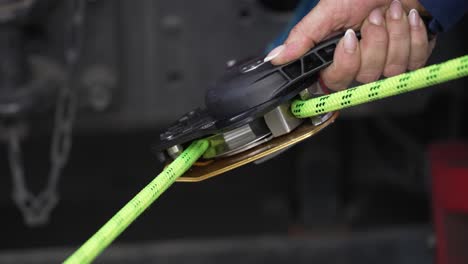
[(367, 63), (399, 40), (391, 43), (346, 63), (374, 43), (327, 17), (419, 43)]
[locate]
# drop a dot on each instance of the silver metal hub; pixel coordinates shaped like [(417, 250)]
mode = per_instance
[(238, 140), (280, 121)]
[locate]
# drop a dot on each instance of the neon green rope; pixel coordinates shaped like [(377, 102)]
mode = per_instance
[(435, 74), (425, 77), (120, 221)]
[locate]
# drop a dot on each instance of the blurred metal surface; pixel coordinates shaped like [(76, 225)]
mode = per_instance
[(169, 51)]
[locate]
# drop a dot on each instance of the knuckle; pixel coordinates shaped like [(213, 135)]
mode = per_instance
[(300, 31), (347, 70), (419, 43), (398, 36), (346, 64), (336, 86), (332, 80), (367, 77), (393, 69), (376, 35), (414, 65), (296, 30), (398, 33), (380, 37)]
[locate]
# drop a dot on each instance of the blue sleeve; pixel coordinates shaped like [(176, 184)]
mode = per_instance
[(301, 10), (446, 13)]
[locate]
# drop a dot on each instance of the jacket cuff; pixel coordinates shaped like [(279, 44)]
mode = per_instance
[(445, 13)]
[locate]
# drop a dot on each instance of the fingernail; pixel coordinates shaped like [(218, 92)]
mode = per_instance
[(414, 18), (376, 17), (350, 41), (274, 53), (396, 10)]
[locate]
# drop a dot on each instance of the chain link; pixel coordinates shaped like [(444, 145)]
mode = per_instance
[(36, 209)]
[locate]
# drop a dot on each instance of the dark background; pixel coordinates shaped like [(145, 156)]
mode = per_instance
[(360, 189)]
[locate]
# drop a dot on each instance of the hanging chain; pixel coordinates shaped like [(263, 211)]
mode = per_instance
[(36, 208)]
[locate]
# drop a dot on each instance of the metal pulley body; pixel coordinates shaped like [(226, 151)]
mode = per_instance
[(247, 113)]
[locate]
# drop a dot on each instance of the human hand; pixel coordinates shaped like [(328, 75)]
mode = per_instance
[(393, 40)]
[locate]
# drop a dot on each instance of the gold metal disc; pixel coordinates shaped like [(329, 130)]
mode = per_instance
[(219, 166)]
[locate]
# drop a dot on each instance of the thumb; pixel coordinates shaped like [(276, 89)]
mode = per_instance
[(314, 27)]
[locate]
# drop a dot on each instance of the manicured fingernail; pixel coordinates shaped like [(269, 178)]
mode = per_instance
[(350, 41), (414, 18), (376, 17), (396, 10), (274, 53)]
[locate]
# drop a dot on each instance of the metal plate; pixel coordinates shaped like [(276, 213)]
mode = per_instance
[(219, 166)]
